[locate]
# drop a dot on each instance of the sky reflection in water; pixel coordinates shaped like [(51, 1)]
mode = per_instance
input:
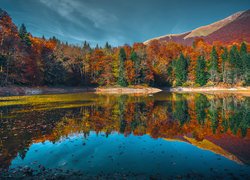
[(167, 135)]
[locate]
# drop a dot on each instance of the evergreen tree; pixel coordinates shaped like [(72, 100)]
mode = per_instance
[(108, 49), (97, 46), (134, 57), (53, 38), (239, 65), (234, 60), (181, 70), (24, 35), (213, 68), (243, 49), (245, 63), (225, 66), (121, 79), (200, 73), (86, 47), (22, 31), (107, 46)]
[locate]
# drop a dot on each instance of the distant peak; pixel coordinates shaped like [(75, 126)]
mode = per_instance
[(246, 13), (233, 27), (209, 29)]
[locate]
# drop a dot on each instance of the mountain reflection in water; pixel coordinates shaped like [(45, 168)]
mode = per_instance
[(36, 129)]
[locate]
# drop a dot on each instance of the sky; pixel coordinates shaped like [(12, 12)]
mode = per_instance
[(117, 21)]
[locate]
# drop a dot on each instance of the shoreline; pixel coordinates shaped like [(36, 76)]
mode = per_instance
[(210, 89), (127, 90), (17, 90)]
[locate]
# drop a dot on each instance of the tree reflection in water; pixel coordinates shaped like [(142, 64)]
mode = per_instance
[(223, 120)]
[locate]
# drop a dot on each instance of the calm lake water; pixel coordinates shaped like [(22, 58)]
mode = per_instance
[(164, 135)]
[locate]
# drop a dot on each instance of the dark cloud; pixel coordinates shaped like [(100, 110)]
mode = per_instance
[(117, 21)]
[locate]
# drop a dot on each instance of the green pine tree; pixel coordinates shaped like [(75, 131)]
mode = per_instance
[(225, 66), (24, 35), (213, 67), (243, 49), (121, 78), (245, 63), (200, 73), (134, 57), (107, 46), (235, 63), (181, 70)]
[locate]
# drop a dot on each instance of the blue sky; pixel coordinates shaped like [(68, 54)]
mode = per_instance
[(117, 21)]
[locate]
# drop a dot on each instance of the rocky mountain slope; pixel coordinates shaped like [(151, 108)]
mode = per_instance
[(235, 28)]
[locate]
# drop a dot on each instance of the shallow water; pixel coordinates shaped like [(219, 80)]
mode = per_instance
[(163, 135)]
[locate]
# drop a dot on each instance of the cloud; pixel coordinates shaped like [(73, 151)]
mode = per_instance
[(71, 9), (79, 20)]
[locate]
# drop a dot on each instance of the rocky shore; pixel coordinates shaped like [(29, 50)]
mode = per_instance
[(16, 90)]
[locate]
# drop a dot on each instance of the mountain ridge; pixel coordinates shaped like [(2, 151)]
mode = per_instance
[(234, 28)]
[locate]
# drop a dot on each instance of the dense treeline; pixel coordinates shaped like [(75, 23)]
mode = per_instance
[(30, 61)]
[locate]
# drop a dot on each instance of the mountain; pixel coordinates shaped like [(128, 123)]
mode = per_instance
[(235, 28)]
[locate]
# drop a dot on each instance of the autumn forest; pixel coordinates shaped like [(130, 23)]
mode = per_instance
[(26, 60)]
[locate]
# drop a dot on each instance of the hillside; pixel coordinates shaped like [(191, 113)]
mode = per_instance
[(26, 60), (235, 28)]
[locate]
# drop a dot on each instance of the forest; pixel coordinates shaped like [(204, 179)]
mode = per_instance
[(26, 60)]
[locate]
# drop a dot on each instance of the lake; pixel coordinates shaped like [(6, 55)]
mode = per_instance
[(157, 136)]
